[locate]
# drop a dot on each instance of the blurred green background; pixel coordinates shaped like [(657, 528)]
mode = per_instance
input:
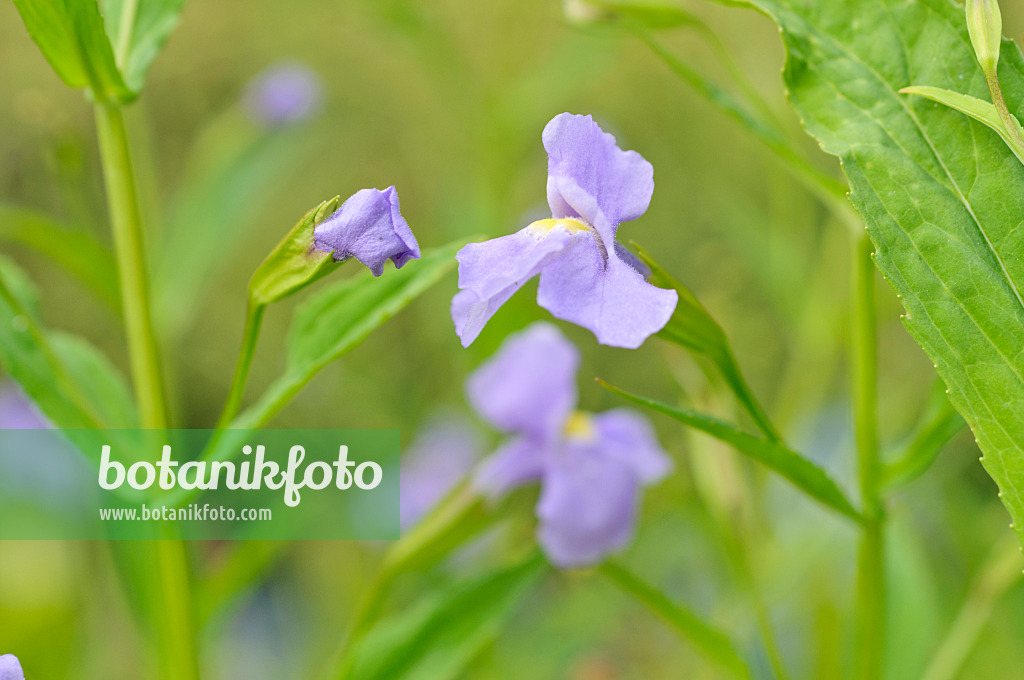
[(446, 100)]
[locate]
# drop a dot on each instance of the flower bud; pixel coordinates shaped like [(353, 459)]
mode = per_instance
[(985, 24), (295, 262)]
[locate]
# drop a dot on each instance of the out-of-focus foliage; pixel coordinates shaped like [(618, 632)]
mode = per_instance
[(445, 99)]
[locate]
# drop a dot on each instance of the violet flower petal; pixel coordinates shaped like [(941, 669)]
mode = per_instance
[(587, 507), (591, 178), (517, 462), (628, 437), (529, 386), (369, 227), (600, 292), (440, 457), (10, 668), (490, 272)]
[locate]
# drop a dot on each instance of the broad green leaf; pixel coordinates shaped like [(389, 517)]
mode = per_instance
[(295, 262), (137, 30), (981, 111), (692, 328), (438, 637), (72, 37), (803, 473), (941, 195), (68, 379), (75, 250)]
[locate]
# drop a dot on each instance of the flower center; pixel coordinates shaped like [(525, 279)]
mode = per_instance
[(544, 227), (580, 426)]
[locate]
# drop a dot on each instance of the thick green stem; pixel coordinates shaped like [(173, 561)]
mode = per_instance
[(175, 628), (168, 576), (253, 320), (871, 558), (126, 225)]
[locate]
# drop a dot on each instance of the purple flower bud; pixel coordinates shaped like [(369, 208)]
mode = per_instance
[(369, 227), (593, 186), (590, 467), (17, 412), (10, 668), (441, 456), (284, 93)]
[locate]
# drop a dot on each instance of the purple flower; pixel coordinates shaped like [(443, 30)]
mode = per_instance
[(284, 93), (10, 668), (593, 186), (441, 456), (369, 227), (17, 412), (590, 466)]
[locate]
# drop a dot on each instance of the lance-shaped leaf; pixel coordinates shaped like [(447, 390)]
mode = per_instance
[(438, 637), (941, 195), (982, 111), (693, 328), (803, 473), (105, 47), (75, 250), (137, 30), (72, 37), (68, 379)]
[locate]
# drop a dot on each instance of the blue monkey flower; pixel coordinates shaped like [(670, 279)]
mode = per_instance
[(369, 227), (591, 467), (10, 668), (585, 276)]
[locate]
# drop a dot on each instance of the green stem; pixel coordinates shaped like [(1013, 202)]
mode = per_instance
[(126, 225), (169, 576), (251, 333), (711, 642), (870, 561), (178, 659), (1009, 122)]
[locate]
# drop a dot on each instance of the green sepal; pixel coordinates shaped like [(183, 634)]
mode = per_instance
[(295, 262)]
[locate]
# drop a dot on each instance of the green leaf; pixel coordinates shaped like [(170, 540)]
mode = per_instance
[(438, 637), (980, 110), (339, 317), (75, 250), (713, 643), (72, 37), (803, 473), (68, 379), (941, 195), (940, 423), (692, 328), (138, 30), (295, 262)]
